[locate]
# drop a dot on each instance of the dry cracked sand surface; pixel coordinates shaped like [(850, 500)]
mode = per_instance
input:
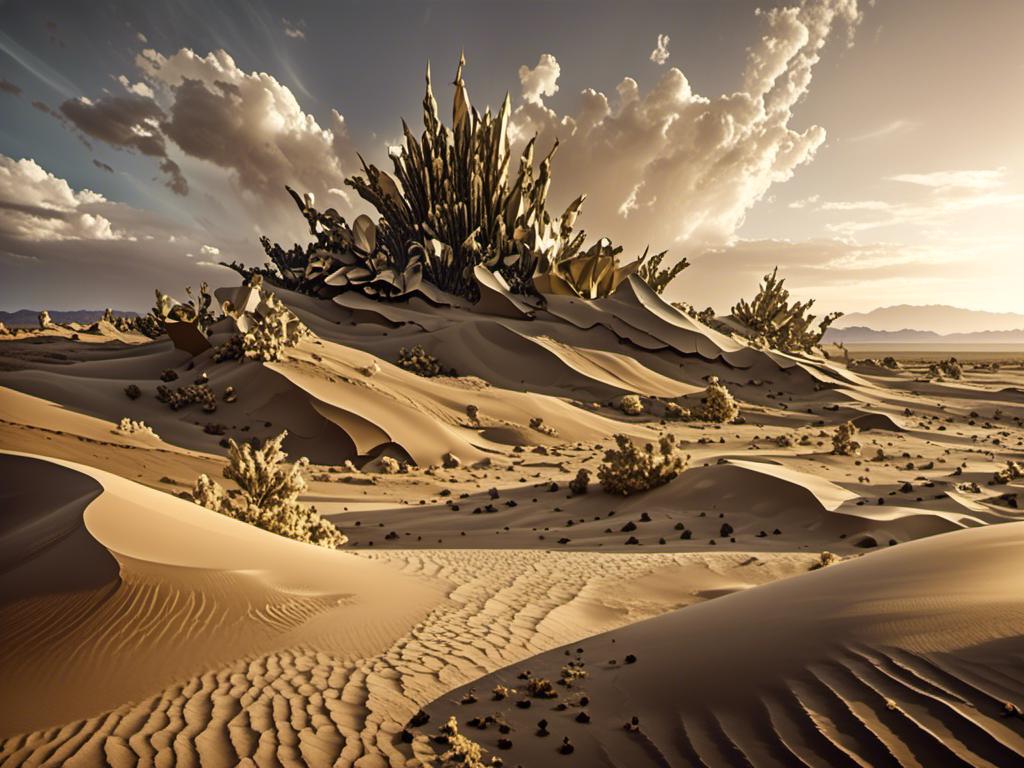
[(138, 628)]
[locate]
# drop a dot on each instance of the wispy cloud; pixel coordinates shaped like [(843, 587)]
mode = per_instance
[(967, 179), (660, 53), (893, 128)]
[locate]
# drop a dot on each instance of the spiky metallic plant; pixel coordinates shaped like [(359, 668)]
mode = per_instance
[(196, 310), (651, 273), (459, 205), (452, 205), (775, 322)]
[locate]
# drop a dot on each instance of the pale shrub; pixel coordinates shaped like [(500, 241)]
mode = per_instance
[(631, 405), (628, 469), (130, 427), (718, 404), (843, 443), (268, 495)]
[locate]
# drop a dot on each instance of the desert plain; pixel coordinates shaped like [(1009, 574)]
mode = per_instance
[(776, 602)]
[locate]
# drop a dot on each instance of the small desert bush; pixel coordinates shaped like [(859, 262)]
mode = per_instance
[(179, 398), (277, 329), (268, 494), (948, 369), (541, 688), (132, 392), (462, 751), (229, 350), (1012, 471), (718, 404), (571, 673), (578, 485), (131, 427), (825, 559), (538, 424), (631, 405), (390, 465), (676, 411), (417, 360), (628, 469), (775, 323), (843, 443)]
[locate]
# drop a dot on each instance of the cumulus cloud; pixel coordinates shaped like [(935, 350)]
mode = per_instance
[(66, 248), (127, 122), (206, 108), (36, 205), (660, 53), (540, 81), (209, 250), (245, 122), (680, 170), (139, 89)]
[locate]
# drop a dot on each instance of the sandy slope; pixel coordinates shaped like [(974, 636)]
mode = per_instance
[(903, 657), (236, 643), (139, 628), (153, 587)]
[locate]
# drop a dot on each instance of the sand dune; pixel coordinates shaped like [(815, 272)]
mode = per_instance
[(217, 630), (905, 657), (139, 628), (151, 587)]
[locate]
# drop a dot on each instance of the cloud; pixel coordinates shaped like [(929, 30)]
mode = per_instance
[(675, 169), (839, 274), (540, 81), (889, 129), (8, 87), (65, 248), (206, 108), (247, 123), (127, 122), (953, 180), (805, 202), (855, 205), (102, 166), (209, 250), (37, 206), (294, 31), (660, 53), (139, 89), (940, 196)]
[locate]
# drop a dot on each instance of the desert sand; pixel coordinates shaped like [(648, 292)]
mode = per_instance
[(139, 628)]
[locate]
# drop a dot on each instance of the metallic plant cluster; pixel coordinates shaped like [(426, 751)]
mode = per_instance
[(454, 202)]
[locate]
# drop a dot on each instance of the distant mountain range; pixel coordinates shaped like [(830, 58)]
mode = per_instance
[(937, 318), (861, 335), (25, 318)]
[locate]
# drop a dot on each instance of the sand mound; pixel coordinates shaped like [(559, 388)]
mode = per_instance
[(755, 498), (112, 603), (880, 421), (903, 657), (222, 644)]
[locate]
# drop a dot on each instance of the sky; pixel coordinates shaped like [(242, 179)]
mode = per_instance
[(871, 151)]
